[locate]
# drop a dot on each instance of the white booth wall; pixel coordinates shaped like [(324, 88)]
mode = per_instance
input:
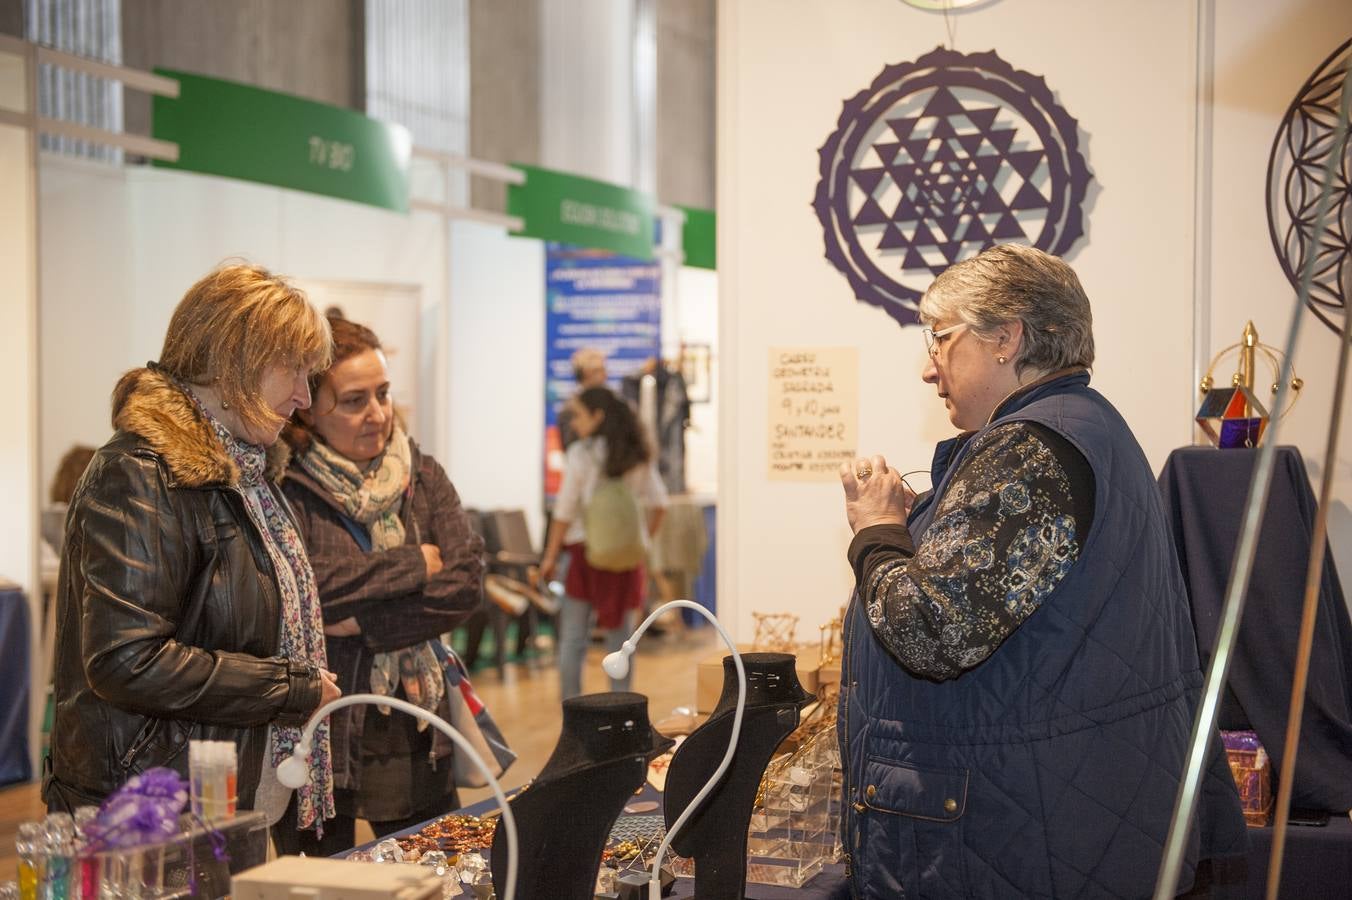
[(1264, 52), (497, 365), (1129, 72), (19, 356), (120, 246), (497, 360), (18, 327), (694, 321)]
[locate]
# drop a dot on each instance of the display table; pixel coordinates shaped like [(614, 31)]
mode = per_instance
[(829, 884), (1205, 491), (15, 765), (1318, 863)]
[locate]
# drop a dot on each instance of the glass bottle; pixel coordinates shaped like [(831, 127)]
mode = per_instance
[(30, 844), (56, 881)]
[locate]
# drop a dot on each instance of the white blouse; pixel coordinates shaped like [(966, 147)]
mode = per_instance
[(584, 468)]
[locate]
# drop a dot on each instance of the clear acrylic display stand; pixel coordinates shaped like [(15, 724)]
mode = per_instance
[(186, 866), (795, 824)]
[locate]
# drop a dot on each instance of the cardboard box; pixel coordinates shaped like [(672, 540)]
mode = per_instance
[(709, 675), (313, 878)]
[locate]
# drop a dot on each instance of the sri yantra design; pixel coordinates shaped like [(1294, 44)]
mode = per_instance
[(939, 159)]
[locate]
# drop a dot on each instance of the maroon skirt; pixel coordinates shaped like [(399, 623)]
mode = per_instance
[(612, 593)]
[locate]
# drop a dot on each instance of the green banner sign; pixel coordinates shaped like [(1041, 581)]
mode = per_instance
[(239, 131), (698, 238), (574, 210)]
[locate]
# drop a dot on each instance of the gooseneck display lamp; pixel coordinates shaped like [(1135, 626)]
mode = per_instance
[(294, 772), (616, 665)]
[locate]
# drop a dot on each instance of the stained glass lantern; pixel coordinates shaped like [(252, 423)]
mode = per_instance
[(1233, 417)]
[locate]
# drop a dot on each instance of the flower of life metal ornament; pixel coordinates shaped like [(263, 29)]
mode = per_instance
[(939, 159), (1295, 179)]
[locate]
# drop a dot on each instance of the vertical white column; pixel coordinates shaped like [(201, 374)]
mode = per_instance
[(730, 488), (19, 346), (644, 79), (1204, 21), (586, 93)]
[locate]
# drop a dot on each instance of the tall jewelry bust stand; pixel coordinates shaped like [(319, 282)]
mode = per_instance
[(715, 835), (564, 816)]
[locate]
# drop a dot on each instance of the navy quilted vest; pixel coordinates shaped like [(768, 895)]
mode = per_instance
[(1050, 769)]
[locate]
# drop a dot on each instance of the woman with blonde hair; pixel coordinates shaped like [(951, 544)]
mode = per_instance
[(186, 607)]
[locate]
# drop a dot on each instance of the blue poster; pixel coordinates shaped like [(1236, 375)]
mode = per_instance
[(599, 300)]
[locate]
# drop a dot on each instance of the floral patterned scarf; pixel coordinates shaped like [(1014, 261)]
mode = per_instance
[(373, 500), (302, 625)]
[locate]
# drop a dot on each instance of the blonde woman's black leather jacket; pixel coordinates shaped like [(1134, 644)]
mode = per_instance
[(168, 611)]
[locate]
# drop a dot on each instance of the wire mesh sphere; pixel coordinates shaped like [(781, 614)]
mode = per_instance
[(775, 632)]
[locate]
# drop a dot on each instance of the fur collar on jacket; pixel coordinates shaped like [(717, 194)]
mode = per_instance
[(149, 404)]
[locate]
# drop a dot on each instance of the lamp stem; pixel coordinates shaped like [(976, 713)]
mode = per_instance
[(655, 883), (464, 746)]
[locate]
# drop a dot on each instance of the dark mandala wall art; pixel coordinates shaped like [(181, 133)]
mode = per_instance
[(1296, 166), (939, 159)]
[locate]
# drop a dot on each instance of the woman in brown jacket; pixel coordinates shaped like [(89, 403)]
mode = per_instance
[(185, 607), (397, 565)]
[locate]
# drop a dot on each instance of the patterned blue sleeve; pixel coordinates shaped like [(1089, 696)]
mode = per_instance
[(1003, 537)]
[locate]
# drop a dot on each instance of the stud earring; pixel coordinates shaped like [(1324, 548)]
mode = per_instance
[(1002, 359)]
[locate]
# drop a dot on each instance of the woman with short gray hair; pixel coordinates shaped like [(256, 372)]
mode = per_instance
[(1020, 654), (1010, 282)]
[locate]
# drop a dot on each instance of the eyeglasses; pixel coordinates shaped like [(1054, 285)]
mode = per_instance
[(932, 337), (906, 475)]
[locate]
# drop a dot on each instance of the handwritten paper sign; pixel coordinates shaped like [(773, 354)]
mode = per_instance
[(814, 411)]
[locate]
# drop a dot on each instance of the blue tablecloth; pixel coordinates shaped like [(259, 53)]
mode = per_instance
[(15, 765), (705, 588)]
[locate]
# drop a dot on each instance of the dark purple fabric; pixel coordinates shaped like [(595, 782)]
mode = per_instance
[(1204, 493), (15, 765)]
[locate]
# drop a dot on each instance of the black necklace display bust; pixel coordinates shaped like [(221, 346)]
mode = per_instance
[(715, 835), (564, 816)]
